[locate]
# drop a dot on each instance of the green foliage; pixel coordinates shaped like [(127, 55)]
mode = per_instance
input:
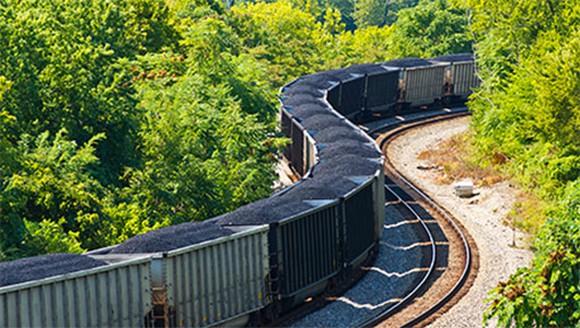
[(281, 35), (49, 237), (369, 13), (548, 293), (528, 112), (52, 182), (535, 118), (4, 86), (202, 154), (369, 45), (430, 29), (394, 6), (118, 117), (62, 56)]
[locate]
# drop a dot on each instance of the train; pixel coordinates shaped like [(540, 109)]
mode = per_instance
[(267, 257)]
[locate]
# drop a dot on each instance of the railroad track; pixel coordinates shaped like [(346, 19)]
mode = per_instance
[(436, 293), (422, 239)]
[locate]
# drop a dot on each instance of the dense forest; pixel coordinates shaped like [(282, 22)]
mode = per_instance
[(526, 121), (123, 116), (119, 117)]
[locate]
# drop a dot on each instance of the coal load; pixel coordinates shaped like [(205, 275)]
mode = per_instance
[(170, 238), (348, 147), (321, 121), (325, 187), (44, 266), (345, 166), (301, 99), (309, 109), (335, 133), (319, 80), (365, 69), (407, 62), (265, 211), (338, 74), (303, 89), (454, 58)]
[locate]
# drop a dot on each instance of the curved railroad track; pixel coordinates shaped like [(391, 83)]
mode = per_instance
[(445, 284), (426, 260)]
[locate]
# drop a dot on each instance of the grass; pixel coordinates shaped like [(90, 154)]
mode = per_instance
[(457, 160)]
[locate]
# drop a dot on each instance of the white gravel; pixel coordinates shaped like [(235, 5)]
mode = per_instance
[(482, 215)]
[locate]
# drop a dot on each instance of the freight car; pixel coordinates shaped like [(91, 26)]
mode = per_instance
[(266, 257)]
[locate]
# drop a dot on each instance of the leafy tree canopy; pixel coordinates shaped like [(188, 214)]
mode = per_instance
[(527, 112), (118, 117)]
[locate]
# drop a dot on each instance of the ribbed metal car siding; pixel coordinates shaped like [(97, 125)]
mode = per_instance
[(360, 222), (424, 84), (112, 298), (285, 124), (220, 281), (463, 78), (351, 100), (309, 250), (297, 147), (382, 90)]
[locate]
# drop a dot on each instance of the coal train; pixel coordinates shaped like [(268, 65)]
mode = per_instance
[(267, 257)]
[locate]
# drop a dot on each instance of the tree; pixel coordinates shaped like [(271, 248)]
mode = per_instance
[(528, 111), (51, 186), (203, 154), (547, 293), (369, 13), (430, 29)]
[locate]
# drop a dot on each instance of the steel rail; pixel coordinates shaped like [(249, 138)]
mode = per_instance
[(372, 322), (465, 273)]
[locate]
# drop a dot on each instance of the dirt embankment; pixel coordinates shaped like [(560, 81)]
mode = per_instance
[(481, 214)]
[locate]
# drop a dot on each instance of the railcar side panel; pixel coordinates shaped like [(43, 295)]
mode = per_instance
[(422, 85), (310, 153), (308, 249), (113, 295), (217, 281), (333, 96), (351, 97), (359, 216), (463, 78), (382, 90), (379, 203)]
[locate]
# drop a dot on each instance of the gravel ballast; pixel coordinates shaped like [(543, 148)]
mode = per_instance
[(398, 268), (482, 215)]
